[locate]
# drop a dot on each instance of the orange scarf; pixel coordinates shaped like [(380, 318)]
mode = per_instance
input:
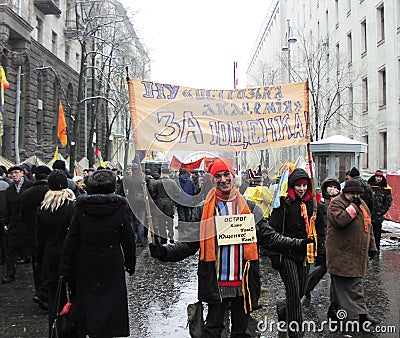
[(367, 218), (311, 232), (207, 226)]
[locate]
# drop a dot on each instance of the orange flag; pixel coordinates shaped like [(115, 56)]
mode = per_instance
[(62, 126)]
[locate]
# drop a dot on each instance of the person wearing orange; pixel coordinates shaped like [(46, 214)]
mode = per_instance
[(292, 218), (227, 274)]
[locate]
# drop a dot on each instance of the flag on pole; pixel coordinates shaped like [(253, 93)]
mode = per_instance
[(56, 156), (282, 187), (100, 161), (3, 86), (62, 126)]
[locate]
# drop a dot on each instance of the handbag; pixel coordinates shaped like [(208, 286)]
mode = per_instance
[(65, 325), (195, 319)]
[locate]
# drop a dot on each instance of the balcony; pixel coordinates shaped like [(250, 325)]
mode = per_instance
[(70, 30), (48, 7), (13, 27)]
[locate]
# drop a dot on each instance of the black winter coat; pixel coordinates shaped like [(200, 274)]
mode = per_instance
[(208, 288), (30, 201), (52, 228), (99, 242), (287, 220), (18, 233)]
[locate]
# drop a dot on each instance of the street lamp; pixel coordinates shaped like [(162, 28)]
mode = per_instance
[(289, 39)]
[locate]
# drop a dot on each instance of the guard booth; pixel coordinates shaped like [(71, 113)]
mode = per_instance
[(334, 155)]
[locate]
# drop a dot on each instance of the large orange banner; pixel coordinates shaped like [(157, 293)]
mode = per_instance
[(167, 117)]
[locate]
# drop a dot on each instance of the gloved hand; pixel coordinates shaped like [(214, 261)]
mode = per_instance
[(306, 241), (371, 254), (320, 260), (357, 201), (131, 270), (157, 250)]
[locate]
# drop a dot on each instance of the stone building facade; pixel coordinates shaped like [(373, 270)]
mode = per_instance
[(358, 42), (47, 60), (40, 62)]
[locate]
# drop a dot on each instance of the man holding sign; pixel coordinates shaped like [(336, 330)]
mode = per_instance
[(229, 231)]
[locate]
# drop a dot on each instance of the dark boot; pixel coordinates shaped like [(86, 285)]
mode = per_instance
[(368, 318), (281, 311), (332, 311)]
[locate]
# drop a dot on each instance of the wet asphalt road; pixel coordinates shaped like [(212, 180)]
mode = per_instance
[(159, 293)]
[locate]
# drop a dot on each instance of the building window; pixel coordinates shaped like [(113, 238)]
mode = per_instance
[(39, 30), (363, 37), (365, 94), (351, 102), (381, 23), (383, 150), (337, 13), (77, 61), (337, 51), (365, 156), (382, 87), (54, 43), (67, 52), (398, 13), (349, 49)]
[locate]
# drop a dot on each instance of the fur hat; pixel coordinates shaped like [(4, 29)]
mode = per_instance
[(57, 180), (41, 172), (102, 182), (354, 172), (353, 186), (59, 164)]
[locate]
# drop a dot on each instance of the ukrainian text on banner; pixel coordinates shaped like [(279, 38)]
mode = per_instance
[(167, 117)]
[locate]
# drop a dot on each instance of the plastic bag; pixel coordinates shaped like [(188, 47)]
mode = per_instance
[(195, 319)]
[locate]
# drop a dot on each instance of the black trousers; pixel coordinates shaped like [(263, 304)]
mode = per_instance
[(377, 226), (215, 318), (315, 276), (294, 276)]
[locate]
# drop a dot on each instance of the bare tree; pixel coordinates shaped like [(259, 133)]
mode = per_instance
[(108, 42), (331, 83)]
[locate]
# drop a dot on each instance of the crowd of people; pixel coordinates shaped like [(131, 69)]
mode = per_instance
[(86, 230)]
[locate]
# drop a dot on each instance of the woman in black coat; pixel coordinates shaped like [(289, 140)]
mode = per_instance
[(52, 221), (290, 219), (99, 243)]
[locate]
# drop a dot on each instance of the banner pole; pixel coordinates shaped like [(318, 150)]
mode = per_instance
[(312, 247), (132, 110)]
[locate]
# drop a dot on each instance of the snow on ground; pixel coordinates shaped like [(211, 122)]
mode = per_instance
[(391, 227)]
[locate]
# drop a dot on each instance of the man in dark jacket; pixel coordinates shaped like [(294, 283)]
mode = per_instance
[(3, 215), (184, 201), (236, 279), (164, 192), (382, 193), (31, 199), (14, 224)]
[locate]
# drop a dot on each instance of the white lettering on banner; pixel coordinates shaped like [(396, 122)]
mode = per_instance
[(166, 116), (235, 229)]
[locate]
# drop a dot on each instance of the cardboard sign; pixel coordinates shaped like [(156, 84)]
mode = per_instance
[(235, 229)]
